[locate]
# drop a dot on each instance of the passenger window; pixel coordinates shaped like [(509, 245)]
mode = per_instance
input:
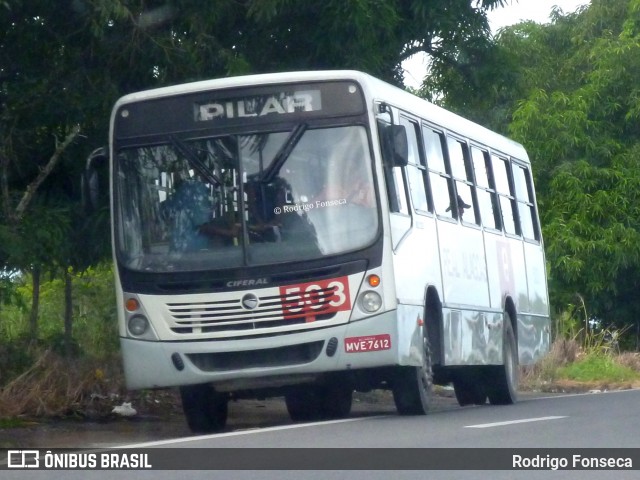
[(465, 202), (400, 191), (416, 171), (480, 167), (526, 206), (456, 156), (416, 184), (433, 150), (487, 202), (500, 174), (441, 197), (508, 219), (439, 179), (520, 181), (507, 200), (463, 180)]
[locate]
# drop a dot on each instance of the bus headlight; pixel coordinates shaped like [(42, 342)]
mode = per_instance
[(370, 301), (138, 325)]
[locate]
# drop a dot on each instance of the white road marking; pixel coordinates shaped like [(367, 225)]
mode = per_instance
[(250, 431), (513, 422)]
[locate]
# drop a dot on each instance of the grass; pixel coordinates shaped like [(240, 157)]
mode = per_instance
[(569, 366), (598, 368)]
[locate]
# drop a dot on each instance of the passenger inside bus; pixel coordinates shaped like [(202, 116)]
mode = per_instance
[(274, 216), (184, 211), (461, 206)]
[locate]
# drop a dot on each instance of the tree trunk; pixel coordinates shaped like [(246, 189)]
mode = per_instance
[(35, 303), (68, 313)]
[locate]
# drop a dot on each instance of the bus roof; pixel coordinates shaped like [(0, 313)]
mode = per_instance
[(374, 89)]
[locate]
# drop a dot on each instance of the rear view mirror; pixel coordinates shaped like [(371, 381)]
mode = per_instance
[(395, 148), (90, 181)]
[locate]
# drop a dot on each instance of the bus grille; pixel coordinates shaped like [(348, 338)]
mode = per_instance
[(228, 315), (270, 357)]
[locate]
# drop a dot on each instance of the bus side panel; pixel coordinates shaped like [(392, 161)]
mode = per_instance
[(499, 269), (464, 273), (410, 334), (516, 269), (534, 329), (536, 279), (507, 272), (521, 281), (417, 262), (471, 329), (533, 337), (472, 337)]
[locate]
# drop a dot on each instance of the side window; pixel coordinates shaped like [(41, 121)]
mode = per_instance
[(416, 171), (507, 200), (401, 194), (463, 181), (524, 200), (439, 178), (487, 202)]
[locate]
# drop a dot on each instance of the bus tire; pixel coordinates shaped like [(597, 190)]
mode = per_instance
[(469, 388), (205, 409), (303, 403), (413, 386), (336, 401), (315, 402), (502, 382)]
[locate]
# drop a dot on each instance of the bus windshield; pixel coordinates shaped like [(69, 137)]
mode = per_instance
[(240, 200)]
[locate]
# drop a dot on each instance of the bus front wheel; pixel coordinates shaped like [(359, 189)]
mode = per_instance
[(205, 409), (413, 386)]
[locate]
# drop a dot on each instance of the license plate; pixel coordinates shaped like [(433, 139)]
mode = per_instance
[(371, 343)]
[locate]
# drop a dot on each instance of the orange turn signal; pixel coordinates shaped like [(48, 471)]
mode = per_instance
[(131, 305), (374, 280)]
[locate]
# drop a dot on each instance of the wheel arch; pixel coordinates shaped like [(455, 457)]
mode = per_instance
[(433, 321), (510, 309)]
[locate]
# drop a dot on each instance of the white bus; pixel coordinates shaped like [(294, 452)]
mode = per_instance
[(312, 234)]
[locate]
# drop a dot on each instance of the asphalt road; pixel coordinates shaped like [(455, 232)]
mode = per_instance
[(573, 422)]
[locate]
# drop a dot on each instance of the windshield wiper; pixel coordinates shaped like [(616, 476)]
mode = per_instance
[(194, 161), (284, 152)]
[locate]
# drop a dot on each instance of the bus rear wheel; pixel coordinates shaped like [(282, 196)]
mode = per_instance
[(205, 409), (469, 387), (502, 384), (413, 386)]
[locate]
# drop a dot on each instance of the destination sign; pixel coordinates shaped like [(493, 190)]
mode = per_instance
[(251, 105), (281, 103)]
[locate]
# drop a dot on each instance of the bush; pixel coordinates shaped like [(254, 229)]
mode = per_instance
[(55, 386)]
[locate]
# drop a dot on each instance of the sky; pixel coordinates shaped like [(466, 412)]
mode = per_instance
[(516, 11)]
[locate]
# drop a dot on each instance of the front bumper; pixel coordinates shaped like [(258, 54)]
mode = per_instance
[(272, 361)]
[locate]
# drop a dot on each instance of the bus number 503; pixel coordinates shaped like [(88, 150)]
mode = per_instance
[(321, 297)]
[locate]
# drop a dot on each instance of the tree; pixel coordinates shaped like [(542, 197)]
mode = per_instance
[(584, 141), (571, 97), (64, 64)]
